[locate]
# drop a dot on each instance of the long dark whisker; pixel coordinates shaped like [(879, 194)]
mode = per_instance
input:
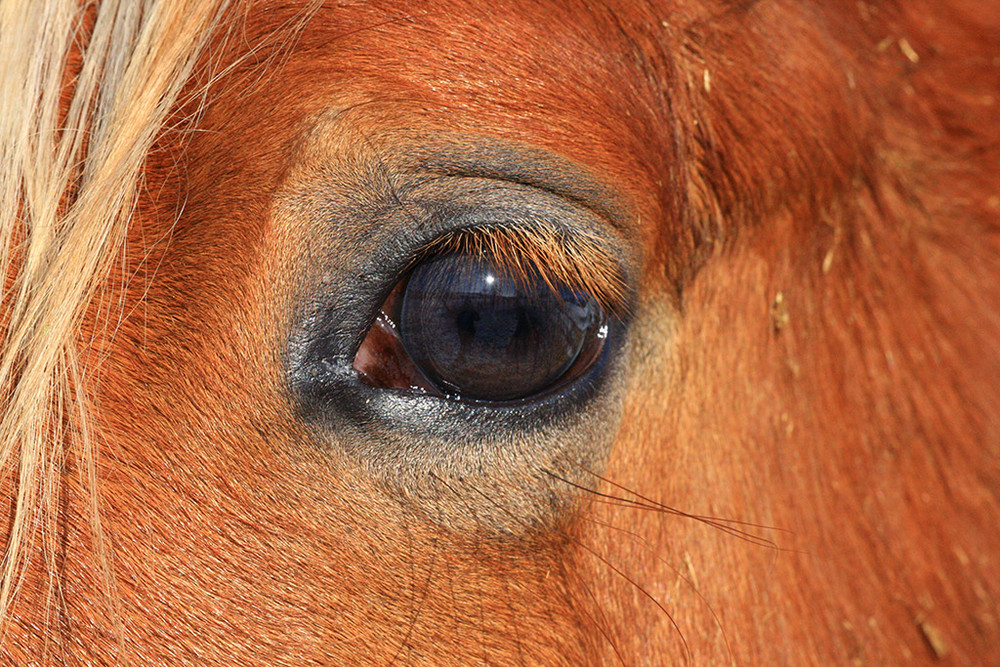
[(680, 575), (722, 524), (419, 608), (475, 516), (687, 649), (600, 623), (703, 517)]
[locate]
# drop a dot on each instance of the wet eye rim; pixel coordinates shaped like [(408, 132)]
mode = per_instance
[(387, 328)]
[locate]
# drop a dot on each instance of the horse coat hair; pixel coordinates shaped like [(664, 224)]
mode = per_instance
[(782, 446)]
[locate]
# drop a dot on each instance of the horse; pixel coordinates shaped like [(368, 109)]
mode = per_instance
[(542, 333)]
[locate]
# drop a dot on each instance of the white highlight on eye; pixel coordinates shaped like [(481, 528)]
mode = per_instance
[(490, 279), (602, 333)]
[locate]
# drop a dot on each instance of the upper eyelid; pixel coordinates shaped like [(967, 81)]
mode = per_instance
[(570, 241), (373, 206), (528, 166)]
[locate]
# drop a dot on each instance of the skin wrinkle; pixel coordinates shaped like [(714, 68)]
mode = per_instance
[(812, 484)]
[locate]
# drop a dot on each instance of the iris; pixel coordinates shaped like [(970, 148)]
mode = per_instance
[(479, 332)]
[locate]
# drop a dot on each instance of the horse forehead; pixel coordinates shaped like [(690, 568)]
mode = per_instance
[(499, 71), (546, 69)]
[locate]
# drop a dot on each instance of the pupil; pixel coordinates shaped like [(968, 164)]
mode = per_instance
[(466, 323), (481, 335), (522, 325)]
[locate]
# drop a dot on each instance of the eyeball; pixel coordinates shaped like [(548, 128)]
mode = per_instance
[(475, 330)]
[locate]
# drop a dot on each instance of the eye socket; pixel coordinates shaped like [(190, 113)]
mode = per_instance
[(466, 327)]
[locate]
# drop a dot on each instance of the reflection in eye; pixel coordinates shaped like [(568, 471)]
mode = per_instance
[(470, 329)]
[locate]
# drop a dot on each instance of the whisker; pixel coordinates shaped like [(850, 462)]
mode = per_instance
[(475, 516), (696, 516), (680, 575), (722, 524), (687, 649), (601, 623), (525, 525), (420, 606), (680, 634)]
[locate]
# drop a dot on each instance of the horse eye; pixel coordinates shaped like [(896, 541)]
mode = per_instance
[(471, 330)]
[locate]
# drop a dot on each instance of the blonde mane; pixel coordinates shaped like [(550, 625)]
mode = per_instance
[(86, 89)]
